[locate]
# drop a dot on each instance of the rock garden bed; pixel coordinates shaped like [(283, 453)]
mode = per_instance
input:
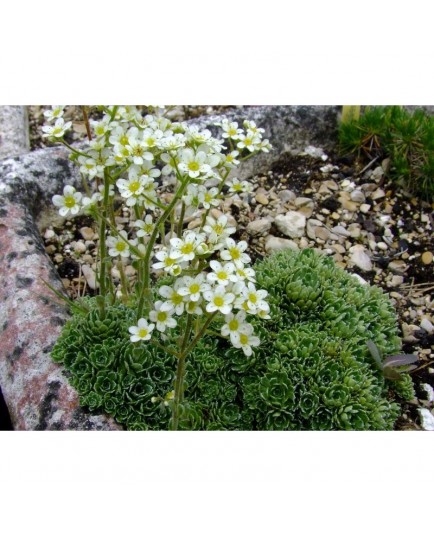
[(305, 195)]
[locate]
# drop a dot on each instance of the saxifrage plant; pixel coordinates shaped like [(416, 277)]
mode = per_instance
[(312, 371)]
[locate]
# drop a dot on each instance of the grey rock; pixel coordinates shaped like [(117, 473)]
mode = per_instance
[(360, 258), (14, 131), (290, 129), (259, 227), (275, 243), (291, 224)]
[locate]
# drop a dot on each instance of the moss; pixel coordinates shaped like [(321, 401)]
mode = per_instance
[(313, 370)]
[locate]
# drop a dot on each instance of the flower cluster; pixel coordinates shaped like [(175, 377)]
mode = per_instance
[(162, 173)]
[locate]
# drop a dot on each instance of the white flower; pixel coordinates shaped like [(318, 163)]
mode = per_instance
[(235, 252), (231, 130), (246, 274), (162, 317), (145, 227), (59, 129), (251, 126), (235, 325), (208, 198), (90, 167), (250, 141), (194, 163), (100, 128), (118, 246), (151, 137), (175, 300), (218, 229), (167, 263), (131, 188), (235, 186), (219, 300), (252, 300), (191, 197), (192, 287), (137, 149), (184, 249), (231, 159), (68, 202), (222, 274), (54, 113), (246, 341), (194, 308), (141, 332)]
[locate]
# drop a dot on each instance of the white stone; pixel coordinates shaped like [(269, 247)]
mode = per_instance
[(427, 325), (360, 279), (286, 195), (291, 224), (427, 419), (259, 227), (89, 275), (87, 233), (365, 208), (340, 230), (360, 258), (378, 194), (429, 390), (311, 225), (357, 196), (274, 243)]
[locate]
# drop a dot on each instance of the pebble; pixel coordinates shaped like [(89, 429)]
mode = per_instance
[(365, 208), (383, 246), (49, 233), (397, 266), (262, 198), (357, 196), (291, 224), (322, 233), (427, 257), (378, 194), (87, 233), (311, 226), (275, 243), (58, 258), (427, 419), (340, 230), (286, 195), (90, 277), (360, 258), (259, 227), (79, 247), (427, 325), (396, 280)]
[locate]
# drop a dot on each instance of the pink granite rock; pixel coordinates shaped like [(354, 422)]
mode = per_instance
[(35, 388)]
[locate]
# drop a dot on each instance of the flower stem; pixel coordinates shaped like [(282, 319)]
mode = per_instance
[(180, 373)]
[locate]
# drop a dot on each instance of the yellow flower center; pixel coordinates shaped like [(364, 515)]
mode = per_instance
[(69, 201), (244, 339), (124, 140), (162, 316), (218, 229), (233, 324), (235, 254), (194, 288), (222, 276), (120, 246), (187, 248), (219, 301), (142, 332), (193, 166), (177, 299), (253, 298), (134, 186)]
